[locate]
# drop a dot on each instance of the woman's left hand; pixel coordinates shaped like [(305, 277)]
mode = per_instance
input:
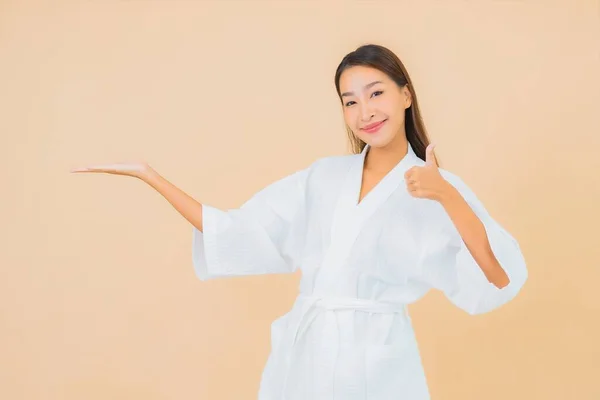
[(140, 170), (426, 182)]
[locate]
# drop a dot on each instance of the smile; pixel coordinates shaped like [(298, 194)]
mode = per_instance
[(374, 128)]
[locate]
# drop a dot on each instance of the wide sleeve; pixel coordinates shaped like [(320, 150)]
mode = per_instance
[(265, 235), (447, 263)]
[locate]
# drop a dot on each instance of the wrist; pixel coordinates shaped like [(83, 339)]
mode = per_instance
[(448, 194), (148, 175)]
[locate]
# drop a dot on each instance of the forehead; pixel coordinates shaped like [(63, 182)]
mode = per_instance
[(355, 78)]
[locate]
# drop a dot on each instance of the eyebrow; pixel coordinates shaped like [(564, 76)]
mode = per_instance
[(366, 87)]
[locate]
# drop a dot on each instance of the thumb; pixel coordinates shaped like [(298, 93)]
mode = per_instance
[(430, 158)]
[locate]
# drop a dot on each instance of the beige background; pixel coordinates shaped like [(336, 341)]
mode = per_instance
[(98, 298)]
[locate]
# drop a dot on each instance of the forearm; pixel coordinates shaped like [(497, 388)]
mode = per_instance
[(189, 208), (473, 233)]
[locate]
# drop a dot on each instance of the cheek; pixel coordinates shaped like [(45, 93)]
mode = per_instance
[(351, 119), (393, 109), (397, 117)]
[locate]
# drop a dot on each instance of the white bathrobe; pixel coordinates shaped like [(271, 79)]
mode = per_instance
[(348, 335)]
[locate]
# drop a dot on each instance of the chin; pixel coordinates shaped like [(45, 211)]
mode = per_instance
[(377, 141)]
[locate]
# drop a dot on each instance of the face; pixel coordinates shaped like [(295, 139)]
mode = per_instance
[(370, 97)]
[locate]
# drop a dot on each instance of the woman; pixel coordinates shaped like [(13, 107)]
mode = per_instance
[(371, 232)]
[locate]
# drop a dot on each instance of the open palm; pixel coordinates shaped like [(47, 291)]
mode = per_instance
[(135, 169)]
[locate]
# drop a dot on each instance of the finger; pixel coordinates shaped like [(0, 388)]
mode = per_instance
[(109, 168), (412, 186), (412, 191), (412, 175), (430, 158), (79, 169), (93, 169)]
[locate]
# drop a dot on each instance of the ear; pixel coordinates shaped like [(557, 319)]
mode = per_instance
[(407, 96)]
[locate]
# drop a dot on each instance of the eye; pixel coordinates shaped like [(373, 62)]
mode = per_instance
[(380, 92)]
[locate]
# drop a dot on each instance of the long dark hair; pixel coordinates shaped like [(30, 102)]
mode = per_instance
[(383, 59)]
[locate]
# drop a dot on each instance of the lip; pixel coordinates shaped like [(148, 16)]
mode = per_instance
[(372, 128)]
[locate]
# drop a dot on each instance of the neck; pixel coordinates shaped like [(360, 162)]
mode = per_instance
[(383, 159)]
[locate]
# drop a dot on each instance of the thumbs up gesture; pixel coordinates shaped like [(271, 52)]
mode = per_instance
[(426, 181)]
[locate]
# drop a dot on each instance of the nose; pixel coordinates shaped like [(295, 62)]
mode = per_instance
[(366, 113)]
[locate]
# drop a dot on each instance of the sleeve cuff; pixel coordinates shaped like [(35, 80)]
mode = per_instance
[(476, 294), (204, 255)]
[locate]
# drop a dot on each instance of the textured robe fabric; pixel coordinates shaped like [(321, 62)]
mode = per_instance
[(348, 335)]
